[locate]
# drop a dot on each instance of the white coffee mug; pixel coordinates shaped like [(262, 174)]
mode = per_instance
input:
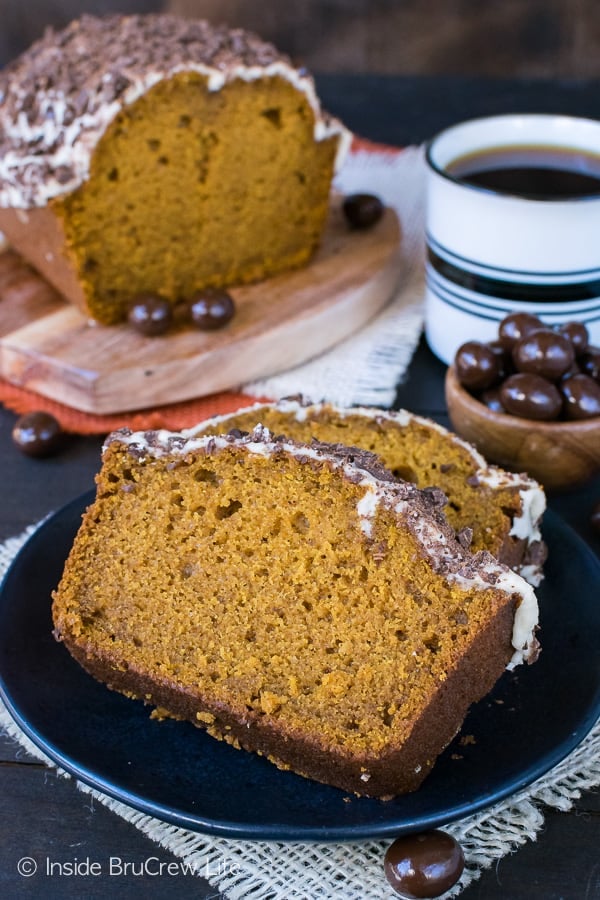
[(491, 251)]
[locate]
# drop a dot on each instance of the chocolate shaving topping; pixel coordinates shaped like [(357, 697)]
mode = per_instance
[(483, 564), (465, 537), (300, 399), (436, 496), (237, 433), (79, 102), (27, 102), (534, 651), (356, 456), (536, 554), (63, 174)]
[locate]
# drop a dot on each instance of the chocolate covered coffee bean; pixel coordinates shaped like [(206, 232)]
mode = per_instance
[(595, 518), (589, 362), (211, 309), (581, 397), (544, 352), (362, 210), (516, 326), (37, 434), (577, 333), (150, 314), (424, 865), (478, 366), (530, 396)]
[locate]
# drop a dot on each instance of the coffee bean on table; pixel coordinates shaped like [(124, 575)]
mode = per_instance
[(211, 308), (531, 397), (545, 353), (362, 210), (37, 434), (581, 397), (150, 314), (424, 865), (477, 365)]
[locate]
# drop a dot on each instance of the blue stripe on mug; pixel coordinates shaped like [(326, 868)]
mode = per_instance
[(489, 312), (496, 308), (555, 277), (526, 291), (443, 298)]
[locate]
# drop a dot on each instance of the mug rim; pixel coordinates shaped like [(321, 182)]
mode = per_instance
[(459, 181)]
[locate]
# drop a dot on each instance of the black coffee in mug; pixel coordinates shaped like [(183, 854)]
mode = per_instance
[(537, 172)]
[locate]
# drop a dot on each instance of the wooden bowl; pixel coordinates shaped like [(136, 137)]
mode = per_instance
[(559, 455)]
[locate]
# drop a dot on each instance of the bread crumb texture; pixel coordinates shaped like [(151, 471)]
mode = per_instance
[(191, 188), (416, 451)]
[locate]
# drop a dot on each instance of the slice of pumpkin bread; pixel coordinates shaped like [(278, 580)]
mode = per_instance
[(294, 600), (503, 510)]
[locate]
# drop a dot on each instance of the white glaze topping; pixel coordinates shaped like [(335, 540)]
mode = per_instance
[(526, 615)]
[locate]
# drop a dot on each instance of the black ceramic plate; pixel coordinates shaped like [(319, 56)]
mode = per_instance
[(176, 772)]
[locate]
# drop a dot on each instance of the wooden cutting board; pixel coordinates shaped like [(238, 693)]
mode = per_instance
[(49, 347)]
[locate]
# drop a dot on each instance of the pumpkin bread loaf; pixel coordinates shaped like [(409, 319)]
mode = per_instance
[(157, 154), (503, 510), (293, 600)]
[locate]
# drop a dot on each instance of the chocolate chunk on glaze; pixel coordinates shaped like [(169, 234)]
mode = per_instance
[(465, 537), (363, 459)]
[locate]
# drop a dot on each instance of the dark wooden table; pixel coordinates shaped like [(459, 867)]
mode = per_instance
[(46, 817)]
